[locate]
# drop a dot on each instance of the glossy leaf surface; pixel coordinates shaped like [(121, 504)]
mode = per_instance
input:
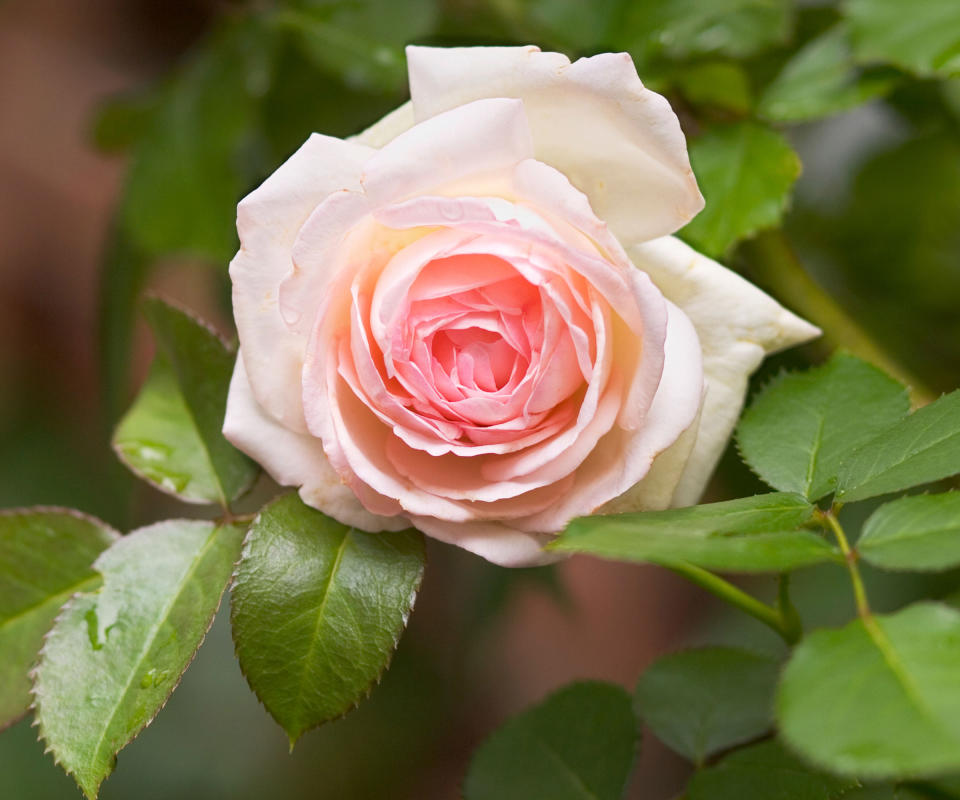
[(318, 610)]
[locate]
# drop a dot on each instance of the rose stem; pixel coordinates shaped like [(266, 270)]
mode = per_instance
[(828, 519), (774, 264), (739, 598)]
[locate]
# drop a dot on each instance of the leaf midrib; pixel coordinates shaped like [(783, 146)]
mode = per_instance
[(909, 454), (321, 609), (814, 456), (152, 634), (891, 658), (566, 770)]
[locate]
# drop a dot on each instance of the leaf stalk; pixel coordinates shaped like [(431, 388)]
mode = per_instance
[(771, 617), (829, 520)]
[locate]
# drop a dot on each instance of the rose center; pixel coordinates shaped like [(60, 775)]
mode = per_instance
[(475, 359)]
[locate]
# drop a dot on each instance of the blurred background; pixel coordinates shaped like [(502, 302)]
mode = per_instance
[(129, 130)]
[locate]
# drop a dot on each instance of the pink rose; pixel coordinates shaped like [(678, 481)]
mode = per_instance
[(471, 317)]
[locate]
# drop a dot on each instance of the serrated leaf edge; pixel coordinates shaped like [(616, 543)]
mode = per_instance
[(769, 385), (230, 346), (65, 511), (374, 682), (20, 511), (35, 706)]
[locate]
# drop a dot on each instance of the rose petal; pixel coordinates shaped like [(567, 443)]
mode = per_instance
[(593, 120), (294, 459), (497, 542), (737, 324), (656, 490), (622, 457), (473, 138), (267, 221)]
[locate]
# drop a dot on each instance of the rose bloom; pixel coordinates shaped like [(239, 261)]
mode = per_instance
[(471, 318)]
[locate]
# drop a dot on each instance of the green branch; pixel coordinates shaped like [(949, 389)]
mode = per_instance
[(829, 520), (725, 590), (777, 268)]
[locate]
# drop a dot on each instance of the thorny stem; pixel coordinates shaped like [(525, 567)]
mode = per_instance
[(725, 590), (829, 520), (776, 266)]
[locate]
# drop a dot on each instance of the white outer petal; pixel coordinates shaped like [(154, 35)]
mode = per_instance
[(497, 542), (472, 138), (616, 141), (387, 128), (659, 486), (294, 459), (738, 324), (268, 220)]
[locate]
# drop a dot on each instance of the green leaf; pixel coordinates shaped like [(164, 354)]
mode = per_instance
[(915, 533), (158, 441), (114, 656), (922, 448), (745, 171), (801, 427), (361, 41), (171, 435), (700, 702), (879, 698), (318, 609), (45, 556), (681, 28), (753, 534), (821, 79), (922, 36), (718, 84), (578, 744), (781, 774), (193, 161)]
